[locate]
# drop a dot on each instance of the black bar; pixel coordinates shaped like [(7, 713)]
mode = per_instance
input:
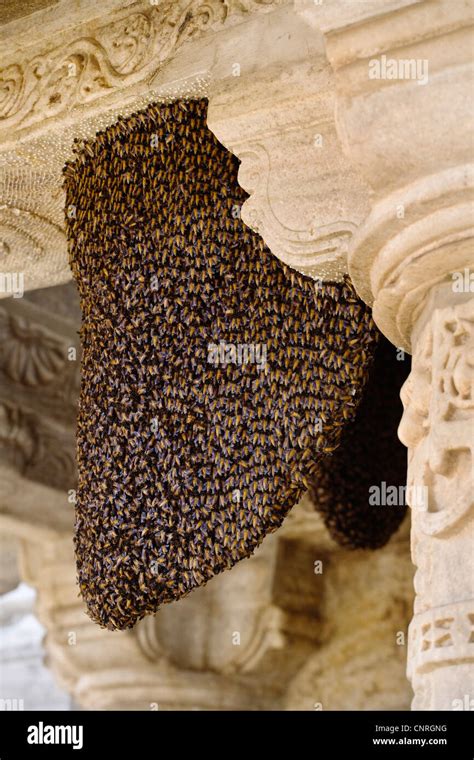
[(316, 734)]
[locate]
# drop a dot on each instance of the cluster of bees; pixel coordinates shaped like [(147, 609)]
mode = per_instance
[(369, 449), (164, 268)]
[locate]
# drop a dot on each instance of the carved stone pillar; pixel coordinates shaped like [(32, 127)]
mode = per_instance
[(404, 78), (438, 428)]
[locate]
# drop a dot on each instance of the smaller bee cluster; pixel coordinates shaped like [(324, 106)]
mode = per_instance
[(166, 439), (369, 449)]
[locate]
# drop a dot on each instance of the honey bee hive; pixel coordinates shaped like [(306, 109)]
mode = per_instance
[(186, 464)]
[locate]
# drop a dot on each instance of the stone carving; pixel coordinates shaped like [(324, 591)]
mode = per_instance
[(35, 449), (17, 437), (411, 242), (189, 654), (30, 233), (305, 200), (36, 359), (54, 460), (83, 70), (324, 245), (120, 52), (38, 392), (29, 355), (412, 149), (118, 670), (408, 139), (247, 628), (443, 635), (437, 424), (74, 78), (361, 631), (32, 246), (438, 428)]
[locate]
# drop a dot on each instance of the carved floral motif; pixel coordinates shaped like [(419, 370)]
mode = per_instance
[(17, 438), (321, 244), (30, 446), (120, 53), (30, 356), (443, 634), (437, 425), (38, 396), (35, 361)]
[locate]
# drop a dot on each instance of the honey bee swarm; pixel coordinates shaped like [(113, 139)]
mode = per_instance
[(186, 464), (369, 450)]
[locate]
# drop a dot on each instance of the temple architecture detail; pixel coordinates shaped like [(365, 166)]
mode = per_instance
[(352, 121)]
